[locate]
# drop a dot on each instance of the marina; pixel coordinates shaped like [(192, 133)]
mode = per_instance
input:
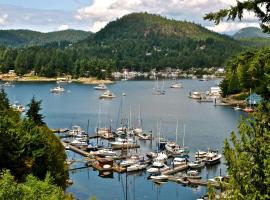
[(90, 177)]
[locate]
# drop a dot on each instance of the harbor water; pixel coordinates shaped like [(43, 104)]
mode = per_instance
[(206, 126)]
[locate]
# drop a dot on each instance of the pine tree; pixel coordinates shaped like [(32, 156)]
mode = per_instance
[(33, 111)]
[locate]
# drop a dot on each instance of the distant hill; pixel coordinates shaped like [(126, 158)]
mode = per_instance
[(19, 38), (141, 40), (250, 32)]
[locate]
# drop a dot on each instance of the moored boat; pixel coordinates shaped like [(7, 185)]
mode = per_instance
[(57, 89), (107, 95), (101, 86), (212, 157)]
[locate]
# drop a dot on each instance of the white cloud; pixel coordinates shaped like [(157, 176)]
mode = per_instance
[(3, 19), (63, 27)]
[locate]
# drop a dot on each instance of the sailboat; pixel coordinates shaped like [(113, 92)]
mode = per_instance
[(138, 130), (103, 132), (157, 90)]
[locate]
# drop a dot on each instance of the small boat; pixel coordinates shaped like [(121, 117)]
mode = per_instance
[(200, 154), (78, 142), (248, 110), (136, 167), (237, 108), (159, 177), (130, 161), (144, 136), (176, 85), (212, 157), (195, 95), (197, 164), (76, 131), (8, 84), (122, 142), (179, 161), (57, 89), (101, 86), (192, 174), (157, 167), (107, 95), (105, 152)]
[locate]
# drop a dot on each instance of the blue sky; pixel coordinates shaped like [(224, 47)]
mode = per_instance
[(92, 15)]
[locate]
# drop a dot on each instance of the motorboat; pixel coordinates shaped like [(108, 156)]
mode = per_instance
[(101, 86), (105, 152), (176, 85), (175, 149), (179, 161), (130, 161), (57, 89), (200, 154), (237, 108), (197, 164), (78, 142), (159, 177), (136, 167), (212, 157), (76, 131), (107, 95), (144, 136), (138, 131), (122, 142), (157, 167), (248, 110), (192, 174), (195, 95), (8, 84)]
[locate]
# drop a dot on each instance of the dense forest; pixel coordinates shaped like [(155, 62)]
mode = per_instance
[(22, 38), (138, 41), (248, 70)]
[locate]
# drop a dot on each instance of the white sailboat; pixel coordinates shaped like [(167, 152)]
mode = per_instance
[(176, 85), (138, 129), (157, 90)]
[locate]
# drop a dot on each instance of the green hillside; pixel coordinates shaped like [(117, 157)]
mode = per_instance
[(141, 41), (250, 32), (137, 41), (19, 38)]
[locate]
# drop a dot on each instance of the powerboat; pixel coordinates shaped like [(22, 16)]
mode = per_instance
[(200, 154), (192, 174), (105, 152), (144, 136), (107, 95), (130, 161), (122, 142), (57, 89), (101, 86), (179, 161), (212, 157), (159, 177), (136, 167), (197, 164), (176, 85), (157, 167)]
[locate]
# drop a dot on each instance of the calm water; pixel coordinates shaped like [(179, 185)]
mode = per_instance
[(206, 126)]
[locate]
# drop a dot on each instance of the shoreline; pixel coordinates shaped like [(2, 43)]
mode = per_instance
[(90, 81)]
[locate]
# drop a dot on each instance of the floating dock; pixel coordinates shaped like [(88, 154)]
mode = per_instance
[(128, 146)]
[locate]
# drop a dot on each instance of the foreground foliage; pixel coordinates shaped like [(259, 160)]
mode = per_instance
[(248, 157), (29, 148), (31, 189), (248, 70)]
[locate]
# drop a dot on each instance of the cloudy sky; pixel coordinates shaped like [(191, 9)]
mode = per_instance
[(92, 15)]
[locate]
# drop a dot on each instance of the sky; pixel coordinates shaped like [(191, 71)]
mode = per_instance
[(92, 15)]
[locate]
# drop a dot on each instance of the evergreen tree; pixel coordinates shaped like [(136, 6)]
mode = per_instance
[(33, 111), (260, 8)]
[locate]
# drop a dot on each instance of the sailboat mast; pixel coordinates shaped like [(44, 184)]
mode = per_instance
[(184, 135), (176, 132), (129, 125), (140, 123)]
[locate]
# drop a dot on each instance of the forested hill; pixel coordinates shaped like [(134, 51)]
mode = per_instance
[(141, 41), (19, 38), (137, 41), (250, 32)]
